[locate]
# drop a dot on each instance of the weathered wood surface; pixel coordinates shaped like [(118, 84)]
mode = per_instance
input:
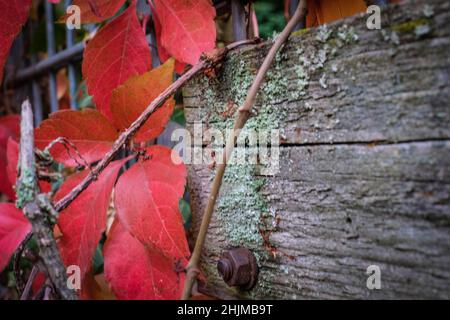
[(364, 166)]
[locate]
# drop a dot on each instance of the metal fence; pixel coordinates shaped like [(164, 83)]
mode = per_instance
[(73, 52)]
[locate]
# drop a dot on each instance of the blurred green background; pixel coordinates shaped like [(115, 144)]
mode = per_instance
[(270, 16)]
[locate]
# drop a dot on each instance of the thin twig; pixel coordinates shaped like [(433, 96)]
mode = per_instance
[(209, 62), (192, 269), (26, 291), (66, 144)]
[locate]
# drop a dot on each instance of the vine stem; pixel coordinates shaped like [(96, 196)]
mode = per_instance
[(192, 269), (209, 61)]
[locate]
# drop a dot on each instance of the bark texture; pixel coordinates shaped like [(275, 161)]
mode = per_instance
[(364, 163)]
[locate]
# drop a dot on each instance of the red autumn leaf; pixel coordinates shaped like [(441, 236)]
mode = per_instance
[(12, 153), (118, 52), (83, 222), (93, 11), (132, 98), (146, 199), (13, 229), (136, 273), (162, 53), (9, 129), (87, 129), (5, 187), (187, 28), (38, 282), (14, 13)]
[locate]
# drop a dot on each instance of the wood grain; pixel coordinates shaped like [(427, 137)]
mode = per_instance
[(364, 166)]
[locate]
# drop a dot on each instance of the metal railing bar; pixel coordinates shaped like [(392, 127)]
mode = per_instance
[(35, 88), (51, 52), (293, 4), (36, 93), (238, 20), (71, 72), (37, 103), (59, 60)]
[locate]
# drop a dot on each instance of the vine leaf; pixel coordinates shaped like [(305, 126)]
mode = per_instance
[(146, 200), (87, 129), (94, 11), (13, 15), (162, 53), (116, 53), (132, 98), (135, 272), (12, 155), (187, 28), (83, 222), (14, 227), (9, 129)]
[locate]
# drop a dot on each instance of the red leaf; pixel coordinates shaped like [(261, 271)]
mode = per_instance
[(118, 52), (146, 199), (132, 98), (13, 14), (13, 229), (38, 282), (187, 28), (137, 273), (83, 222), (9, 129), (93, 11), (162, 53), (5, 187), (88, 130), (12, 154)]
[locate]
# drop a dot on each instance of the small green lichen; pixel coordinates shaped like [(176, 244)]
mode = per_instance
[(241, 206), (420, 27), (409, 26), (347, 34), (428, 11), (299, 33), (324, 33), (25, 189), (316, 57)]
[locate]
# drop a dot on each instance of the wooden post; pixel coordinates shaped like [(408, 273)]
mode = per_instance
[(364, 165)]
